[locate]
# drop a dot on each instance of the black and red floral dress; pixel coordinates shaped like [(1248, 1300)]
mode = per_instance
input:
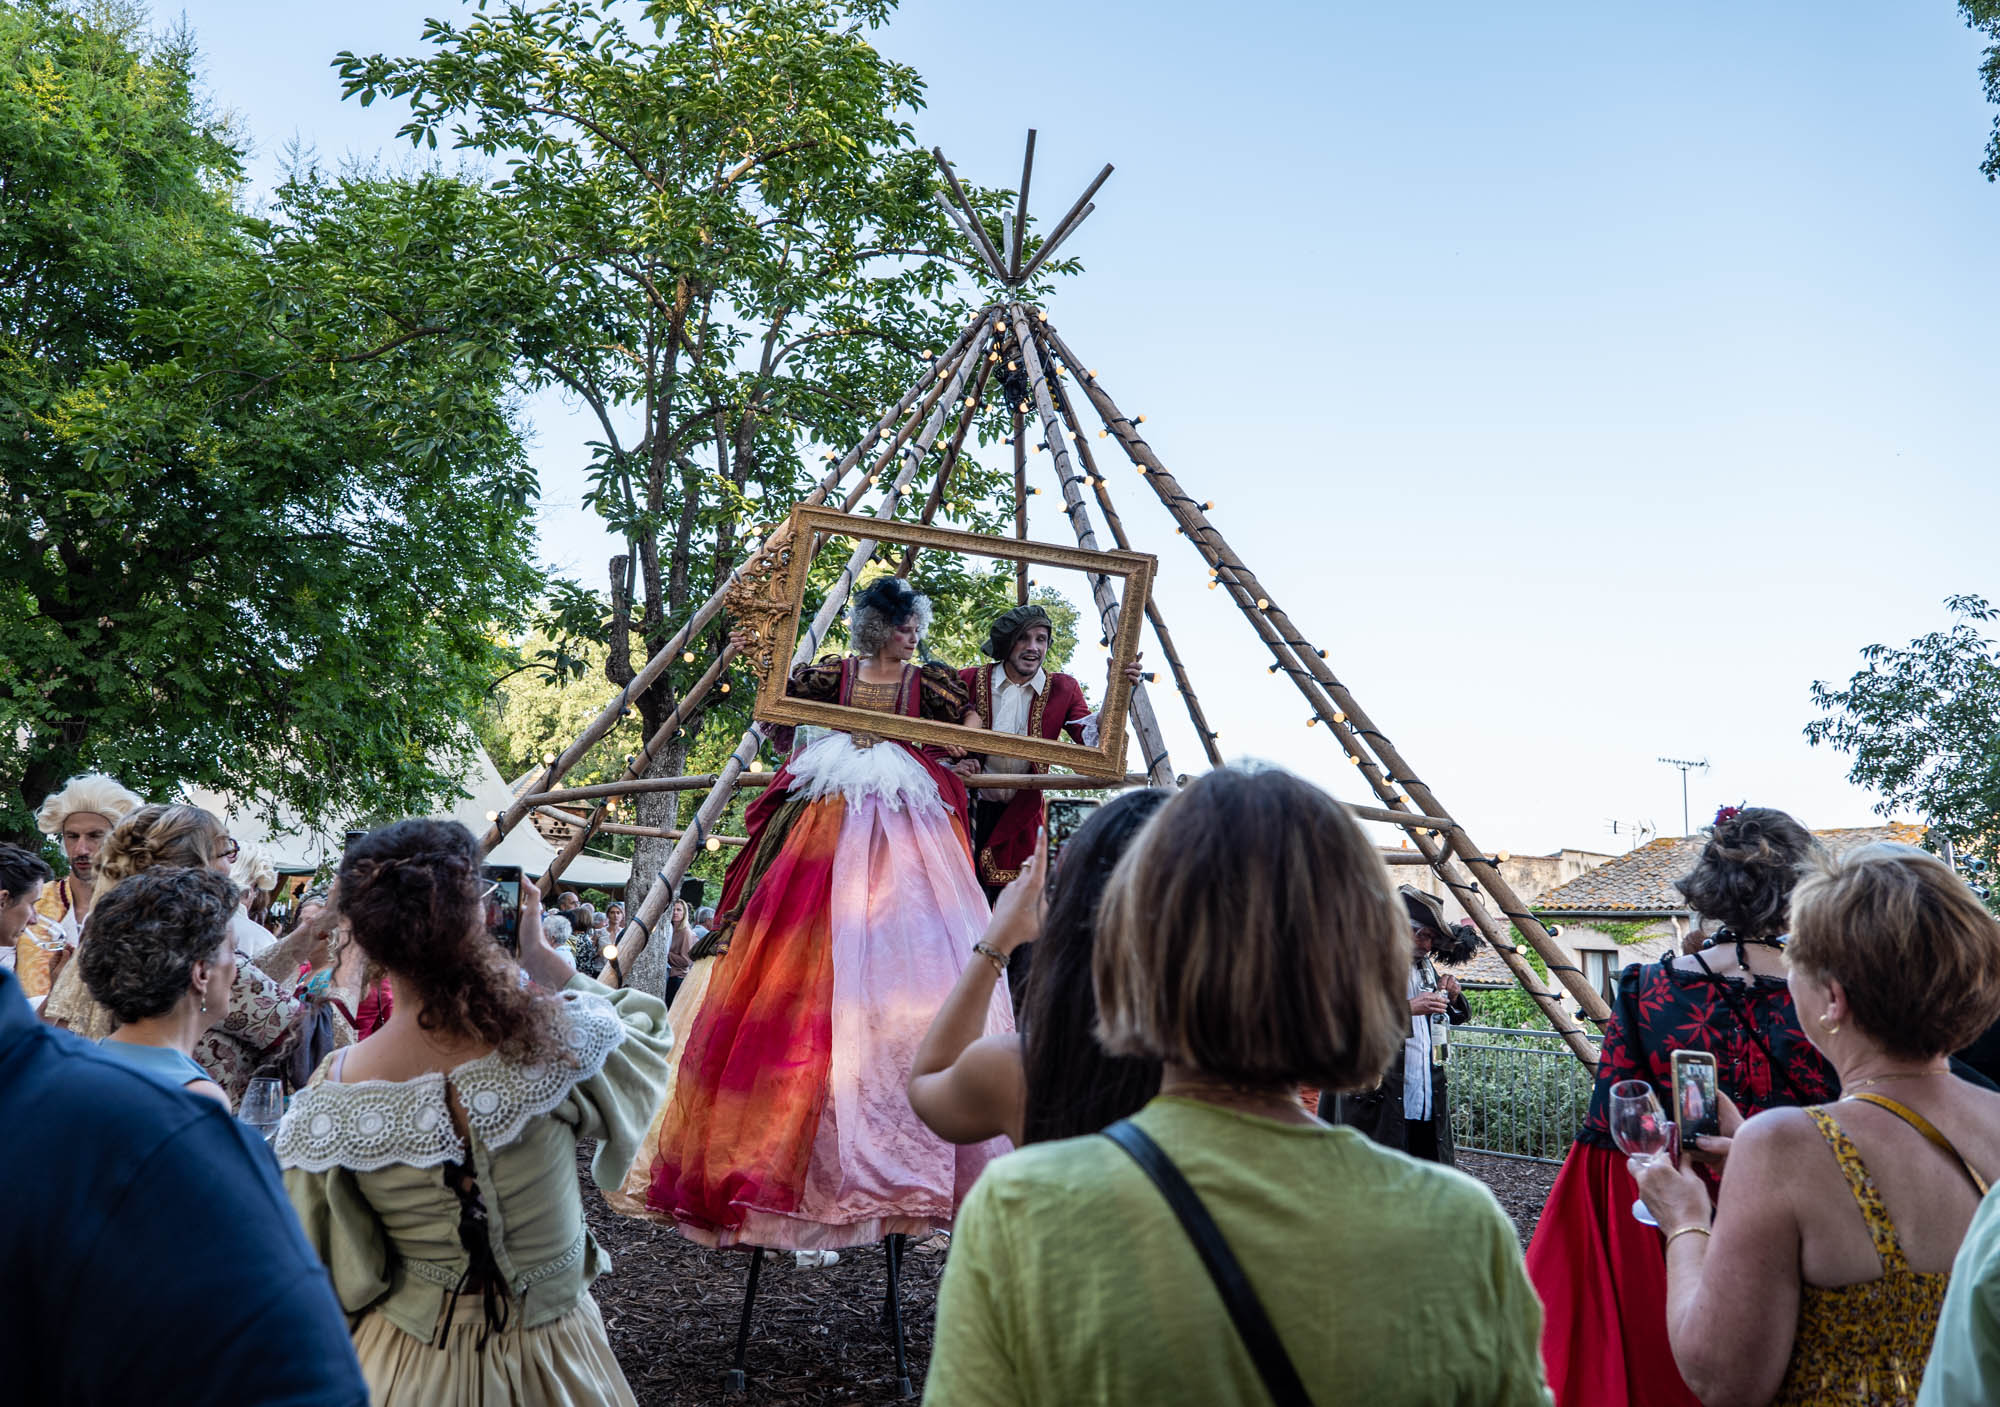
[(1601, 1274)]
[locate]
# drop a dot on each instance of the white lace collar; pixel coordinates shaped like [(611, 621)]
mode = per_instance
[(374, 1124)]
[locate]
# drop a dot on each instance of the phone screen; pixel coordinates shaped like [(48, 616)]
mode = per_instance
[(1697, 1099), (1066, 815), (503, 906)]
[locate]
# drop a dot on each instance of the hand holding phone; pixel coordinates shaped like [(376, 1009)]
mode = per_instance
[(1066, 815), (503, 905), (1697, 1096)]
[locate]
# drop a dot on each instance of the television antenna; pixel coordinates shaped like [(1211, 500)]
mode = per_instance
[(1685, 767), (1636, 833)]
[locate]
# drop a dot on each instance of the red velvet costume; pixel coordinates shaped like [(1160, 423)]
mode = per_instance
[(1060, 706)]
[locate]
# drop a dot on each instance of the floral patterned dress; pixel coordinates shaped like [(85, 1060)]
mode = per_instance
[(1602, 1275)]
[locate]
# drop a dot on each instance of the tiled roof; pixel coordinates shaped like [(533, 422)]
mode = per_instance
[(1642, 882)]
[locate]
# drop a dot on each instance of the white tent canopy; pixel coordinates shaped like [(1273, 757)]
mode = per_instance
[(297, 848)]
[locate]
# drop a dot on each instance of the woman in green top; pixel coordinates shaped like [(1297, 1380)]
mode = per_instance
[(1251, 940), (161, 958), (434, 1163)]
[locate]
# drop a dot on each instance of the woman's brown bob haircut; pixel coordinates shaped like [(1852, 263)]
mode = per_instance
[(1914, 948), (1251, 932)]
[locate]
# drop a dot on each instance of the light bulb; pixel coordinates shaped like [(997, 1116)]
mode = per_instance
[(548, 759), (1263, 603), (1502, 856), (611, 952), (713, 844), (687, 656), (756, 764), (492, 815), (725, 688)]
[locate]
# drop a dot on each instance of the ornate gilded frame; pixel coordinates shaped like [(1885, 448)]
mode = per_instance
[(769, 603)]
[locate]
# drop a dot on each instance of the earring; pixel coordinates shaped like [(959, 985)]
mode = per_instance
[(1830, 1030)]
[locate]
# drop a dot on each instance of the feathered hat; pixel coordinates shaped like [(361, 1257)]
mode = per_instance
[(93, 792)]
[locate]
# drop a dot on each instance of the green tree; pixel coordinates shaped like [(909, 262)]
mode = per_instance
[(262, 509), (1922, 724), (741, 260), (1984, 15)]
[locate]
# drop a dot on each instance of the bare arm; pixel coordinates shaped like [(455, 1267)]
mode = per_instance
[(966, 1086), (1733, 1296)]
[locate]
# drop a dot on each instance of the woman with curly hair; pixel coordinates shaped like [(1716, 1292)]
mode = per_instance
[(434, 1163), (161, 957), (1601, 1273), (263, 1021), (844, 924)]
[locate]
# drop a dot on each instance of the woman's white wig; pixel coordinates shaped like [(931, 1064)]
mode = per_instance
[(92, 792), (253, 869), (881, 606)]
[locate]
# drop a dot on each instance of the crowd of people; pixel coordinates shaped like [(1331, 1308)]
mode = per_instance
[(1201, 1154)]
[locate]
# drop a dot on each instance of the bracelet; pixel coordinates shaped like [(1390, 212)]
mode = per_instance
[(991, 954), (1694, 1230)]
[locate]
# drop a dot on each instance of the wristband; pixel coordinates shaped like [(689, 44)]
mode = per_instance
[(991, 954), (1695, 1230)]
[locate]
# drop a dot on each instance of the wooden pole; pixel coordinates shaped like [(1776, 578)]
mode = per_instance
[(1020, 501), (665, 656), (700, 781), (614, 828), (1072, 217), (1052, 244), (968, 413), (1144, 724), (1356, 734), (1021, 212), (974, 229), (1117, 526), (640, 923)]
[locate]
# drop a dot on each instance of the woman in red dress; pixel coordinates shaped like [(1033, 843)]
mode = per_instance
[(1600, 1272)]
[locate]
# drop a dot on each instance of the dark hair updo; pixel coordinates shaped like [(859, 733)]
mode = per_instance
[(1073, 1087), (410, 895), (1747, 871), (147, 934), (21, 870)]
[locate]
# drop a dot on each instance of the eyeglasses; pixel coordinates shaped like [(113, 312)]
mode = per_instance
[(229, 851)]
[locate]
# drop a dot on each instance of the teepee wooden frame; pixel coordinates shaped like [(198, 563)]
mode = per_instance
[(1012, 333)]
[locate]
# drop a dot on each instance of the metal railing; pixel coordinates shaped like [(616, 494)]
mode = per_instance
[(1515, 1094)]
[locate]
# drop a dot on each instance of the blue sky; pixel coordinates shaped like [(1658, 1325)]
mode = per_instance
[(1586, 379)]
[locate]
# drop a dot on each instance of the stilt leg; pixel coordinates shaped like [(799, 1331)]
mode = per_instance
[(894, 1311), (737, 1380)]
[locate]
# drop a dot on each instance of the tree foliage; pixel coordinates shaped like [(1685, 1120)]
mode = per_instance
[(262, 507), (1984, 15), (1922, 724), (739, 259)]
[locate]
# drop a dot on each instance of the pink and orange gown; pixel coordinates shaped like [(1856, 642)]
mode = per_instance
[(843, 926)]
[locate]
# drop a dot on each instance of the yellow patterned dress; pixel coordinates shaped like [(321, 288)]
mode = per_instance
[(1866, 1342)]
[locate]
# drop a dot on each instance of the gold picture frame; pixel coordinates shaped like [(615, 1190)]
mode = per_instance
[(781, 606)]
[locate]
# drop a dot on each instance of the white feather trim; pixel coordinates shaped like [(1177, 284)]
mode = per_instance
[(834, 766)]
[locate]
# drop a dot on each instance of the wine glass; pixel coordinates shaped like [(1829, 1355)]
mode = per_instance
[(1640, 1129), (263, 1106)]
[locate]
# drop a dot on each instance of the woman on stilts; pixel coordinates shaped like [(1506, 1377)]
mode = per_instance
[(844, 924)]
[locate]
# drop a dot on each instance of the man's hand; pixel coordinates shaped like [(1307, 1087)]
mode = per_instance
[(1430, 1004), (968, 766), (1133, 672), (1449, 983)]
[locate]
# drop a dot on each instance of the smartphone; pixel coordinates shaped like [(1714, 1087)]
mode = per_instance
[(1065, 817), (1697, 1098), (503, 906)]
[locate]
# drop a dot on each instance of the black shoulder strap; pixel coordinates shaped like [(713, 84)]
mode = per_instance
[(1267, 1350)]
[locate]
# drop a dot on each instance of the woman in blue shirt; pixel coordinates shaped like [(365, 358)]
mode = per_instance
[(161, 956)]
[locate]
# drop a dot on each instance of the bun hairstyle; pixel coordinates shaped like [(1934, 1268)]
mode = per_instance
[(1748, 869), (410, 895), (146, 938), (881, 606), (157, 837)]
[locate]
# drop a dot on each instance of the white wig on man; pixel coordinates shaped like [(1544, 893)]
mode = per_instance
[(253, 868), (92, 793), (879, 607)]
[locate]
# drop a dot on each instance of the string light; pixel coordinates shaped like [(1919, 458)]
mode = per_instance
[(756, 764), (611, 952), (712, 844), (687, 656), (725, 686), (548, 759), (1263, 603), (1339, 717), (492, 815)]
